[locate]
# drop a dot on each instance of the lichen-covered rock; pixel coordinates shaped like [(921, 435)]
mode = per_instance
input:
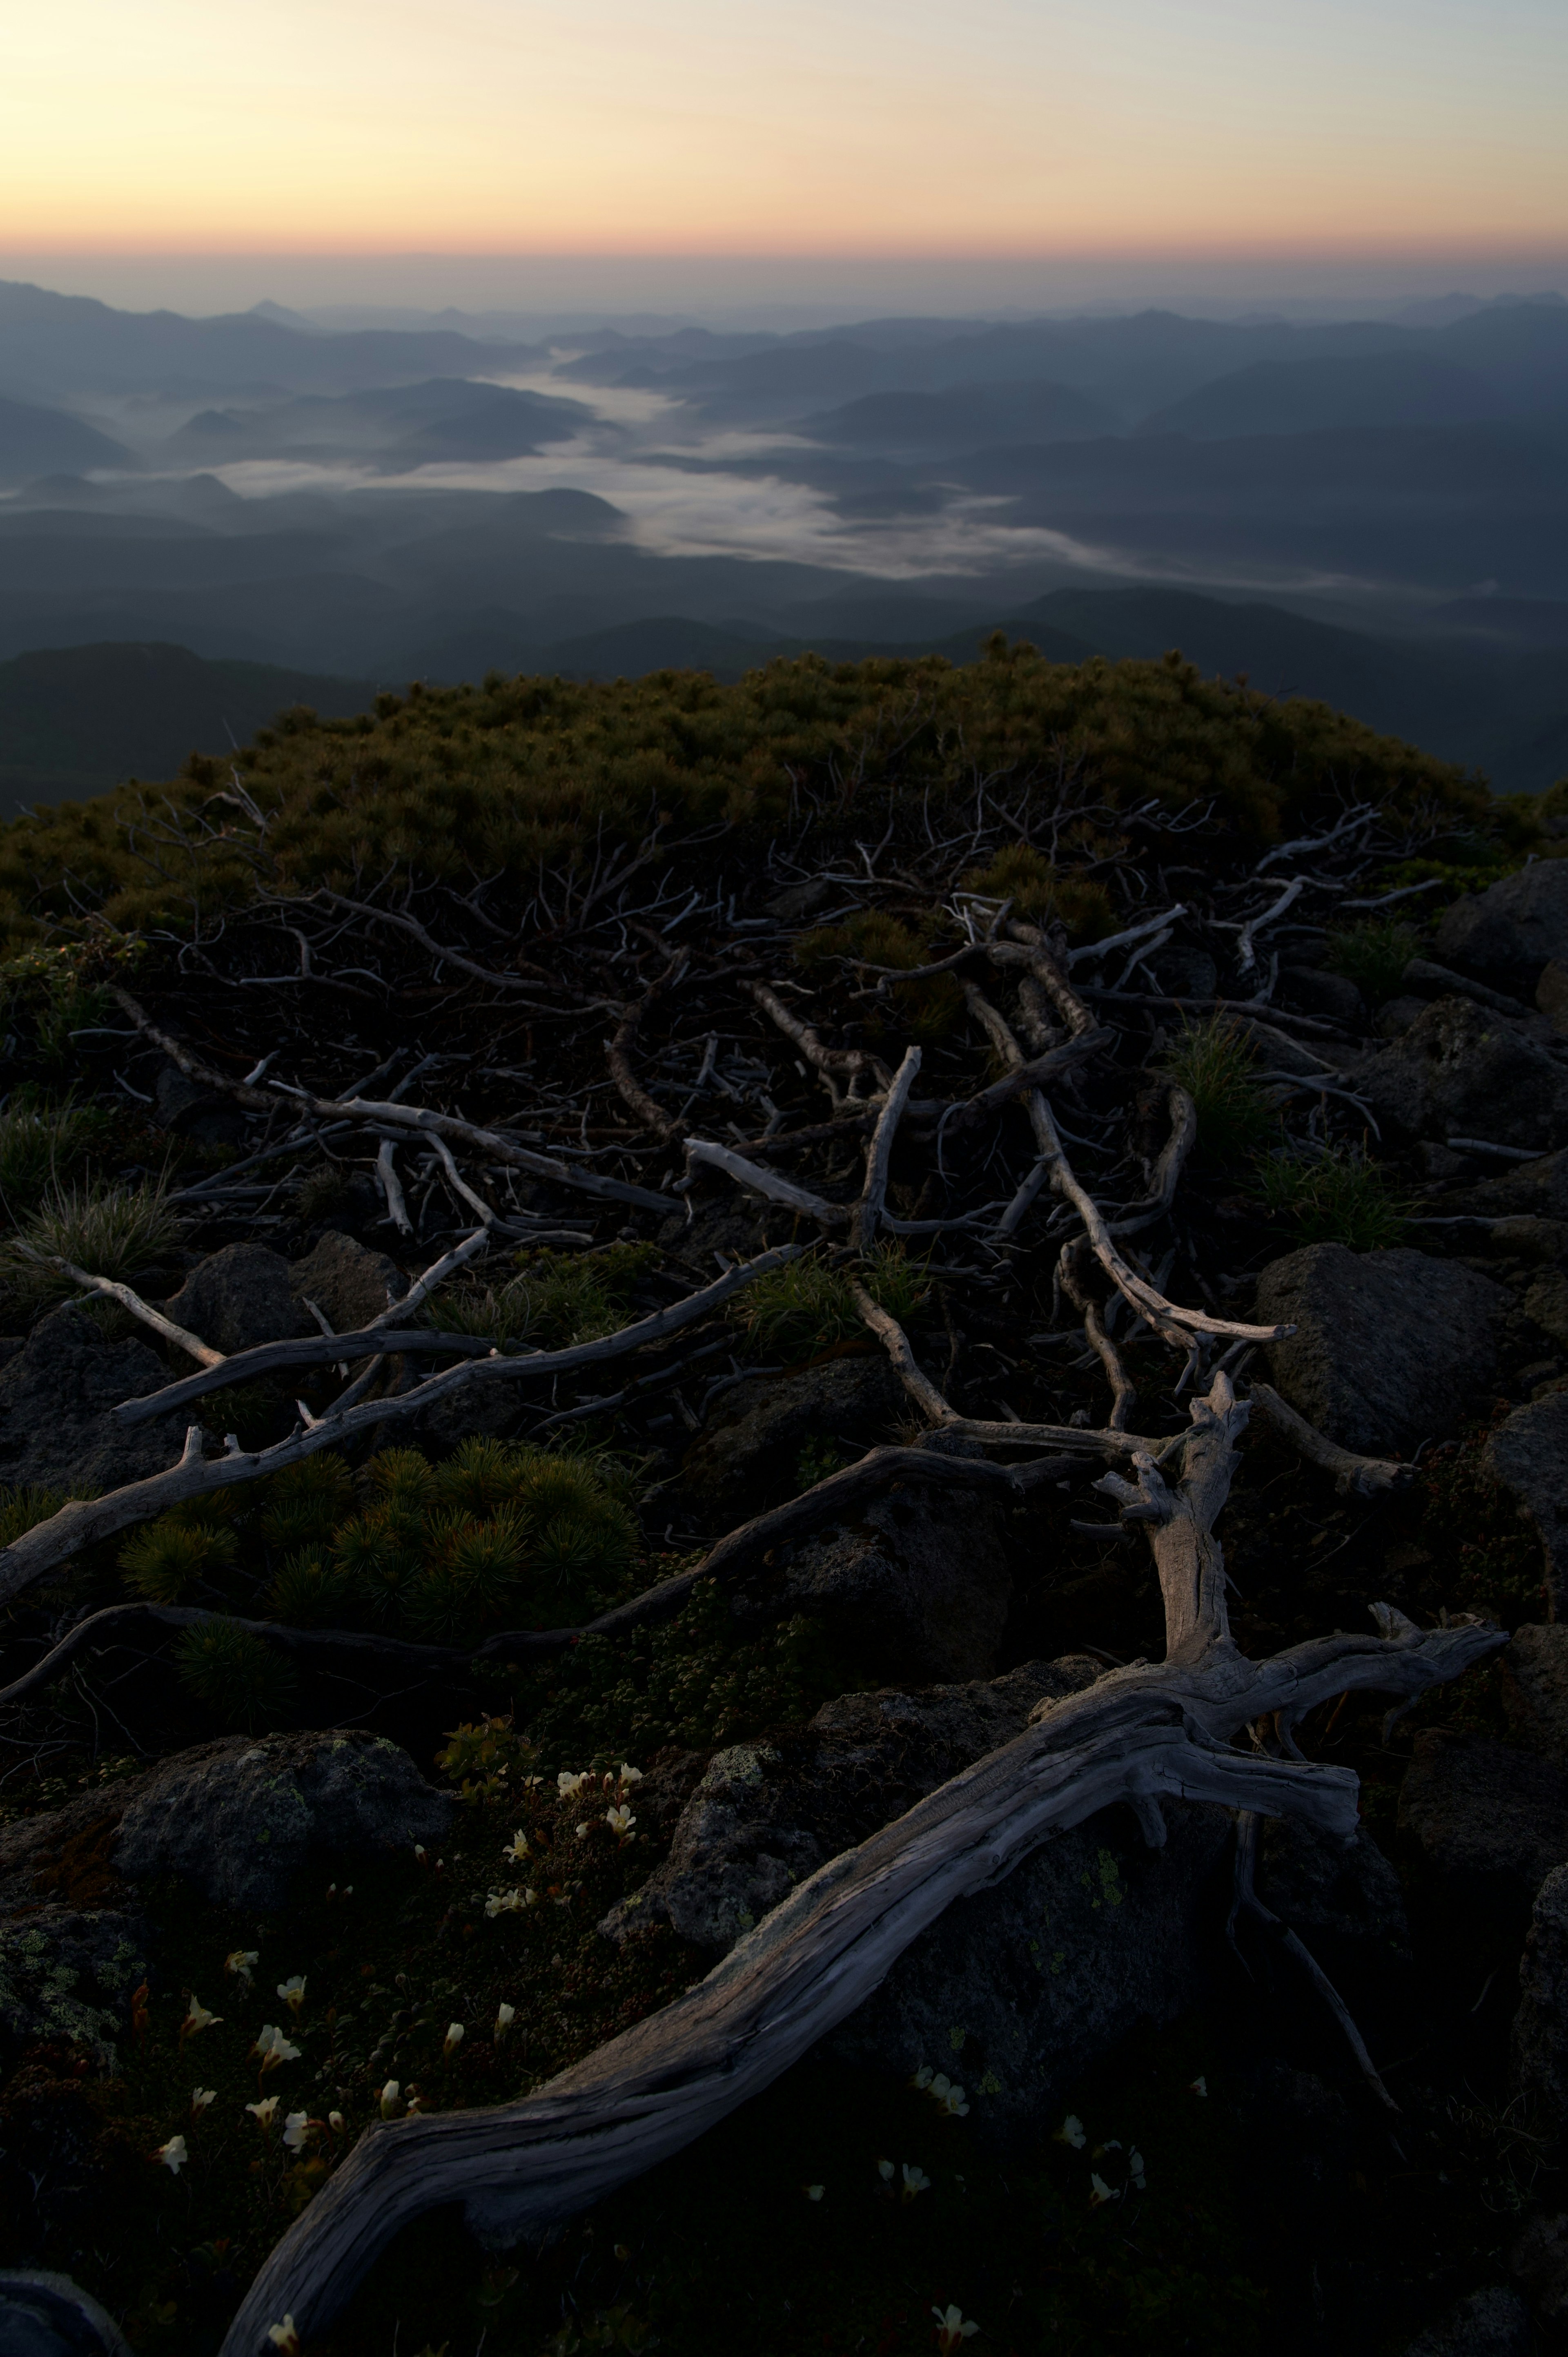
[(239, 1298), (752, 1449), (764, 1815), (69, 1976), (1016, 1990), (916, 1588), (1493, 1821), (1535, 1689), (1528, 1454), (1541, 2025), (240, 1818), (54, 1398), (349, 1283), (1493, 2323), (1390, 1348), (1508, 932), (1458, 1071)]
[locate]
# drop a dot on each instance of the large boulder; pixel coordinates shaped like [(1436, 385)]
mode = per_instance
[(1458, 1071), (349, 1283), (1492, 1821), (1390, 1348), (1508, 933), (239, 1819), (759, 1429), (1528, 1454), (1537, 1189), (1535, 1690), (764, 1815), (1541, 2025), (916, 1588), (55, 1397), (239, 1298), (1493, 2323)]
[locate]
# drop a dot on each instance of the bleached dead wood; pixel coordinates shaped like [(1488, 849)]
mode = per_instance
[(868, 1212), (1139, 1734), (84, 1521), (1369, 1477), (109, 1291)]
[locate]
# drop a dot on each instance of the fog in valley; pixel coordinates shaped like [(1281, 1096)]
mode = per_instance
[(216, 516)]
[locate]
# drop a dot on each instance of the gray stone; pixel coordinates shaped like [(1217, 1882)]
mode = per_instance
[(238, 1298), (190, 1111), (1457, 1071), (1528, 1454), (1541, 2025), (1538, 2263), (764, 1815), (1535, 1689), (348, 1282), (1311, 991), (752, 1447), (240, 1818), (1390, 1348), (1493, 1821), (1508, 933), (1396, 1016), (45, 2315), (1537, 1189), (1552, 995), (916, 1588), (66, 1974), (1183, 973), (54, 1398), (1015, 1991), (1493, 2323), (1546, 1303)]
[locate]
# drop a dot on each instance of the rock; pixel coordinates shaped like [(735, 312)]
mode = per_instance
[(1535, 1673), (54, 1398), (1183, 973), (1546, 1303), (1526, 1236), (348, 1282), (190, 1111), (1390, 1348), (753, 1449), (1442, 982), (1396, 1016), (1541, 2025), (1342, 1898), (1552, 995), (764, 1816), (1492, 1821), (1538, 1189), (238, 1819), (1509, 932), (1016, 1990), (1493, 2323), (1457, 1071), (1528, 1454), (64, 1975), (238, 1298), (1539, 2264), (918, 1586), (44, 2315), (1311, 991)]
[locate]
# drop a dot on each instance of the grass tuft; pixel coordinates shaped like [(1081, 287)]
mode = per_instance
[(1213, 1062), (1373, 956), (1339, 1196), (807, 1307), (112, 1232)]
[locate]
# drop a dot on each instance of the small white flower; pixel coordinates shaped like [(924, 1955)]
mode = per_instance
[(505, 2015), (453, 2038), (414, 2104), (914, 2181), (1100, 2191), (173, 2155), (240, 1960), (335, 2122), (510, 1902), (283, 2336), (198, 2018), (388, 2100), (275, 2047), (263, 2112), (629, 1775), (1135, 2168), (420, 1851), (620, 1821), (292, 1991), (1071, 2132), (923, 2077), (296, 2130), (953, 2101), (1198, 2087), (200, 2097), (813, 2193), (516, 1849), (954, 2329), (884, 2171), (585, 1829), (568, 1785)]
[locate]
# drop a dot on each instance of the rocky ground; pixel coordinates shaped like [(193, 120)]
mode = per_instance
[(362, 1781)]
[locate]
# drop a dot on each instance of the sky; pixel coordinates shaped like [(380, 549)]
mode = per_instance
[(1026, 134)]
